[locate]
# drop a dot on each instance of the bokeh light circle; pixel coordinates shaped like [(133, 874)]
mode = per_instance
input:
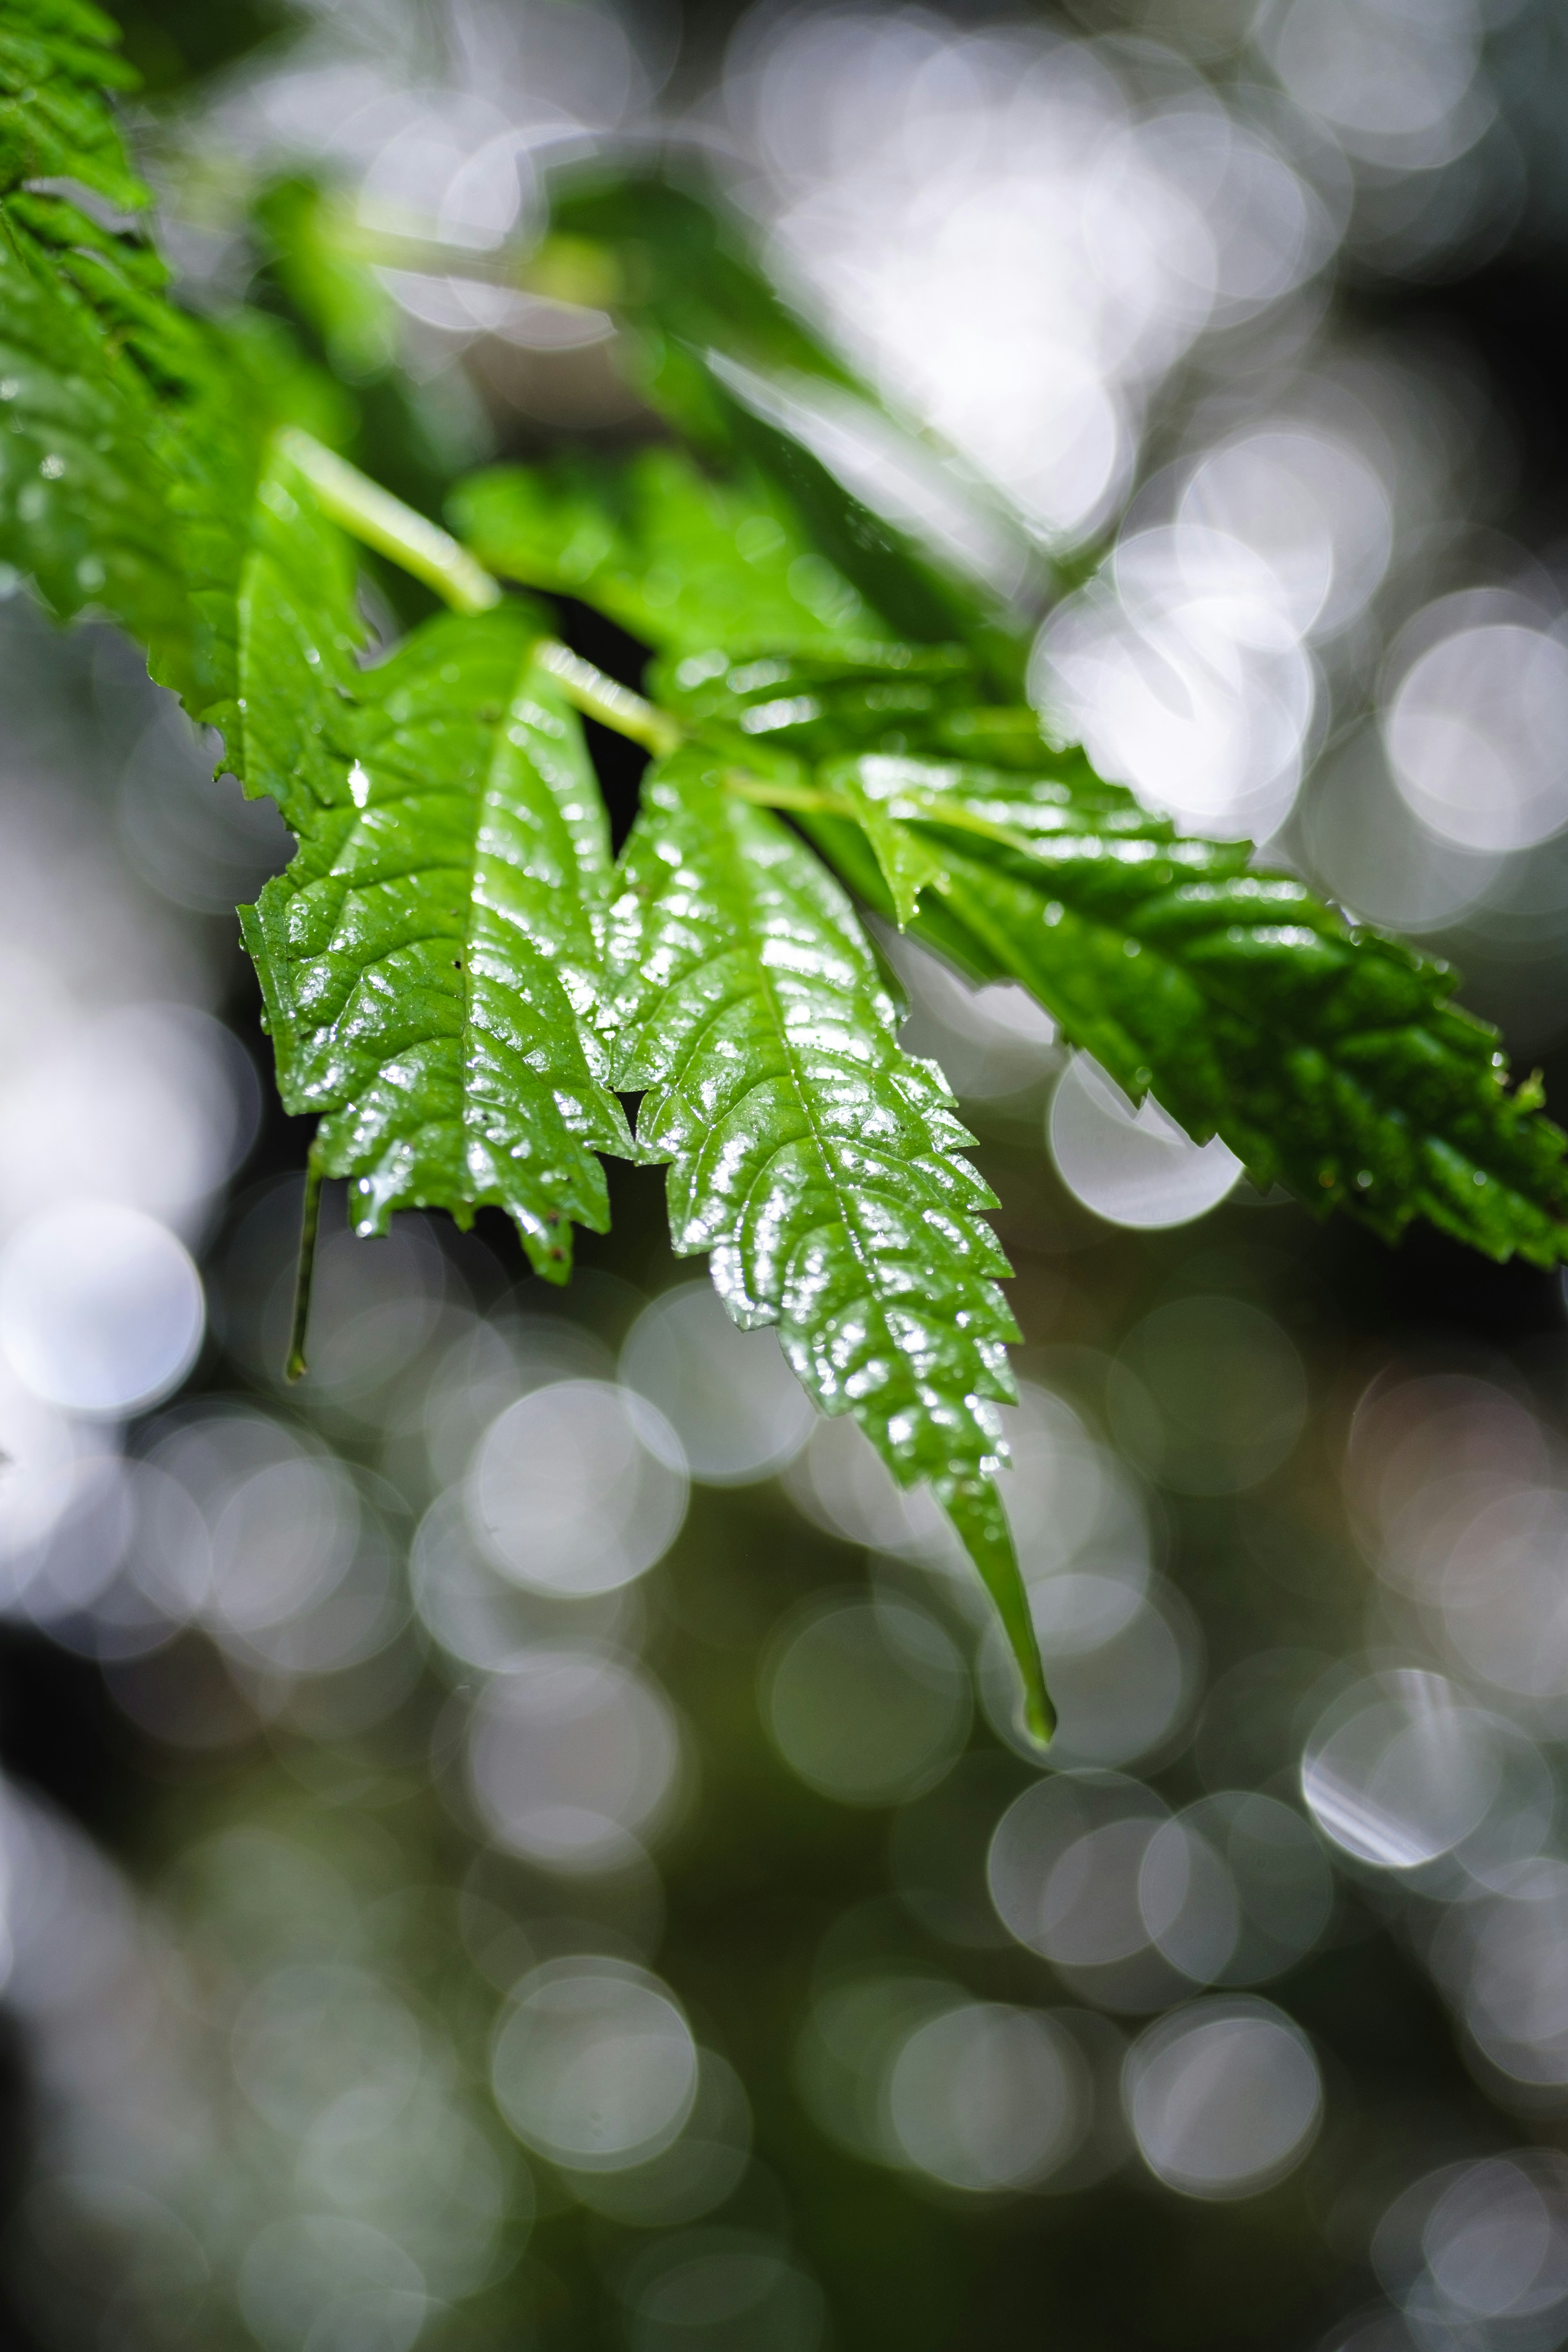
[(986, 2097), (1403, 1768), (1216, 1398), (1475, 732), (594, 2065), (1125, 1663), (1133, 1167), (101, 1310), (577, 1488), (572, 1757), (720, 2289), (736, 1408), (1224, 2097)]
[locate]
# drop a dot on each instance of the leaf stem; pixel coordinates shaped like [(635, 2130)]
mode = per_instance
[(384, 522), (304, 1273), (361, 506), (605, 699), (763, 794)]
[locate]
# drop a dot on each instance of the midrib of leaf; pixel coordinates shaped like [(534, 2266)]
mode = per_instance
[(827, 1151), (712, 890), (967, 1494), (738, 874)]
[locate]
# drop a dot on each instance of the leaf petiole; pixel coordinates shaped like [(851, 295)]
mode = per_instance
[(309, 1221), (763, 794), (605, 699), (352, 500), (356, 504)]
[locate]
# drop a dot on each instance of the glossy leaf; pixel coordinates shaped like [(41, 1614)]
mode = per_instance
[(811, 702), (819, 1164), (434, 960), (99, 370), (683, 559), (429, 961), (905, 854), (1328, 1057)]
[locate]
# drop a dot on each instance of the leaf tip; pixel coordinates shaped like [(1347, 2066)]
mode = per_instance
[(1039, 1716), (975, 1506)]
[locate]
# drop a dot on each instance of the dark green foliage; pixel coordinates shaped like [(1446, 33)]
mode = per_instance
[(429, 960), (84, 505), (88, 347), (816, 700), (58, 60), (132, 434), (1328, 1057), (456, 978)]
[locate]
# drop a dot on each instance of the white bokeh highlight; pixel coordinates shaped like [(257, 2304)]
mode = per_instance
[(1224, 2098), (101, 1308), (1132, 1167), (595, 2064), (577, 1488), (731, 1400)]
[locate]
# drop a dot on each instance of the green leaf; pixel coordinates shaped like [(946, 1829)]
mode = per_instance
[(683, 559), (57, 60), (907, 859), (98, 374), (131, 435), (131, 438), (817, 1163), (813, 701), (430, 960), (94, 359), (1328, 1056)]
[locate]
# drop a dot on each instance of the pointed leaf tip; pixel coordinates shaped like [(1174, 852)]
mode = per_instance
[(908, 863), (1039, 1716), (975, 1506)]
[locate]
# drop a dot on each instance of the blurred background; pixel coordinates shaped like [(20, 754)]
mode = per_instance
[(523, 1840)]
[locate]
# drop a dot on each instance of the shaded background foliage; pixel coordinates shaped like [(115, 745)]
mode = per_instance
[(266, 1918)]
